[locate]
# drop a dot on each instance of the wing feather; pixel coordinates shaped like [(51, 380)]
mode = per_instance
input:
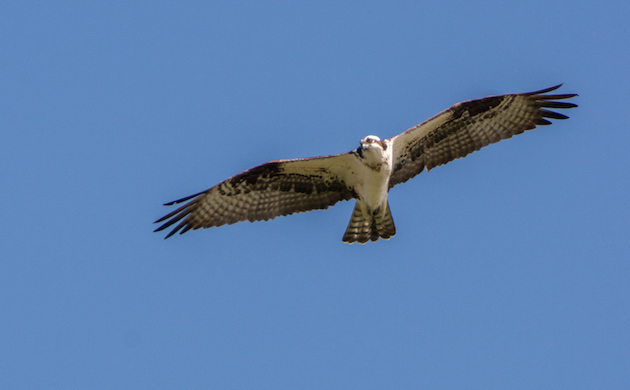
[(266, 191), (469, 126)]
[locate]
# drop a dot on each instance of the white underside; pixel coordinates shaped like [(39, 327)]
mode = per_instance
[(374, 184), (373, 188)]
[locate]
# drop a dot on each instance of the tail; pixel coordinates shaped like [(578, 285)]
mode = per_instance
[(367, 225)]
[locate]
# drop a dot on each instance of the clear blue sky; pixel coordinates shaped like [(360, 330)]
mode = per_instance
[(510, 269)]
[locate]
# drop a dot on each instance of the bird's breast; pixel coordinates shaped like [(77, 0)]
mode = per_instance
[(372, 184)]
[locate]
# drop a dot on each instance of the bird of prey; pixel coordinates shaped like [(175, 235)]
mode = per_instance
[(283, 187)]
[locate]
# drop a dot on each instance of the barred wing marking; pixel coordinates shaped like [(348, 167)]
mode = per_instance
[(267, 191), (469, 126)]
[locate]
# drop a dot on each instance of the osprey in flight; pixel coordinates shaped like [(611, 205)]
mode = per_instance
[(283, 187)]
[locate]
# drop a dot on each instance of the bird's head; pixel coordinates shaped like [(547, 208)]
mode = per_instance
[(372, 141), (372, 149)]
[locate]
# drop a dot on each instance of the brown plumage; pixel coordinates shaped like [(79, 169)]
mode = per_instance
[(469, 126)]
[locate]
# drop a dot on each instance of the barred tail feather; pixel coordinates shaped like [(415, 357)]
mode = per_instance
[(385, 224), (369, 226), (358, 228)]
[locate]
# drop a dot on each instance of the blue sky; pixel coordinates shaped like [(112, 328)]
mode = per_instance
[(510, 268)]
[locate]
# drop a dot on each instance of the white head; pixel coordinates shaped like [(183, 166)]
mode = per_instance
[(372, 149), (371, 141)]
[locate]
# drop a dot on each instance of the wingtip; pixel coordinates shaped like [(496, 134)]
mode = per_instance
[(185, 199), (162, 228), (539, 92)]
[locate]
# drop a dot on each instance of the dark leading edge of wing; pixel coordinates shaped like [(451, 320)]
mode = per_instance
[(471, 125)]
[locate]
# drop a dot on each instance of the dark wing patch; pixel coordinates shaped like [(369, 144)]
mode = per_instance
[(469, 126), (261, 193)]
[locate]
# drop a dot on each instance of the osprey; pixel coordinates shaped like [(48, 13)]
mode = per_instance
[(283, 187)]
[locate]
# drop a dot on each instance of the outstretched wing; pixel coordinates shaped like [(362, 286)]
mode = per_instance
[(469, 126), (266, 191)]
